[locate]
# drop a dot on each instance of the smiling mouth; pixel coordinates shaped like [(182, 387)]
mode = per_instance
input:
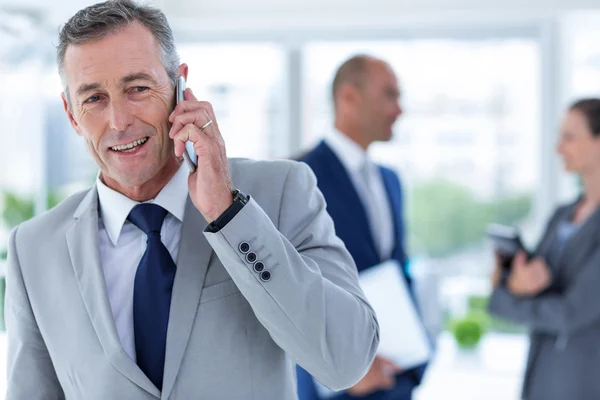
[(130, 147)]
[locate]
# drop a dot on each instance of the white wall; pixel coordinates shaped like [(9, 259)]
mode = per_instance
[(291, 21), (258, 8), (226, 15)]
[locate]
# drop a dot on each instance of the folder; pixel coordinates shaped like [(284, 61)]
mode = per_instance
[(402, 335)]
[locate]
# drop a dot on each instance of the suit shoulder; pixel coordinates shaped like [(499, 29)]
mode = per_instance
[(564, 206), (51, 221), (389, 171), (271, 167), (271, 173), (558, 212), (319, 159)]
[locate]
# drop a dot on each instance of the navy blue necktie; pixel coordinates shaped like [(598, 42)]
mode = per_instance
[(152, 293)]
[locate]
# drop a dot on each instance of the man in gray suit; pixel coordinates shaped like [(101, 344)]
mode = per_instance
[(126, 292)]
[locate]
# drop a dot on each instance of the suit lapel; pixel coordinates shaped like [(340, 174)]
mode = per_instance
[(347, 194), (395, 201), (548, 239), (192, 264), (83, 244), (394, 196), (584, 240)]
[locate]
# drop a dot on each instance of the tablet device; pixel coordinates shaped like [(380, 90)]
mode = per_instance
[(507, 242)]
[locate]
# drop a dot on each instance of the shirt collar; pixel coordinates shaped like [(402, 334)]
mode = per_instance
[(352, 156), (115, 207)]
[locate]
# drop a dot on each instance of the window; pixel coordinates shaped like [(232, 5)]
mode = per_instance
[(461, 100), (472, 113), (244, 83), (467, 148), (584, 55)]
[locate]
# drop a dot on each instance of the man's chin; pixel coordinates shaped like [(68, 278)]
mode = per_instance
[(129, 177), (388, 136), (568, 167)]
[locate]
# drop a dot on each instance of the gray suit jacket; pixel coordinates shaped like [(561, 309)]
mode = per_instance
[(564, 354), (230, 335)]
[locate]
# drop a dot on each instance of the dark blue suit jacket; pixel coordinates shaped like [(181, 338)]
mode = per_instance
[(351, 225)]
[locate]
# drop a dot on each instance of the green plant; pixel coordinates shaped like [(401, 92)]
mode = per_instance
[(468, 330), (18, 209), (446, 217), (478, 305)]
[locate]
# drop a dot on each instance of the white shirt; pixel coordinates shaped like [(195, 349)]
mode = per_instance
[(122, 245), (367, 180)]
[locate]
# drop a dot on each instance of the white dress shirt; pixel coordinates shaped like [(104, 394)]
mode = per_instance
[(367, 180), (122, 245)]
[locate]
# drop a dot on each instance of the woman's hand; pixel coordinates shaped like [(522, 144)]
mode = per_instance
[(528, 278)]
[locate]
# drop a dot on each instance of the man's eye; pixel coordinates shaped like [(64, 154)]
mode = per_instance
[(140, 89), (92, 99)]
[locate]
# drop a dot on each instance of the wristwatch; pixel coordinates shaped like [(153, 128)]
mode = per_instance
[(239, 201)]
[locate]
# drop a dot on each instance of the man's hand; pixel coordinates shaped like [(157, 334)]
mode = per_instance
[(528, 279), (381, 376), (210, 186)]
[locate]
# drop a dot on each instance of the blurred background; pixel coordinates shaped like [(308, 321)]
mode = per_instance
[(484, 84)]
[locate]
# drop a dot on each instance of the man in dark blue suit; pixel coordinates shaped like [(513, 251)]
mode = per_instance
[(365, 202)]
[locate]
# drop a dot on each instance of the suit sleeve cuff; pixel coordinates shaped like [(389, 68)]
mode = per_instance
[(245, 240)]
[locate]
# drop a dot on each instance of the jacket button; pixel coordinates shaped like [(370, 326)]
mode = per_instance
[(251, 257), (265, 276), (259, 266), (244, 247)]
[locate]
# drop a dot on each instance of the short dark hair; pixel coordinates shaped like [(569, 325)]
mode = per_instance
[(590, 108), (351, 71), (100, 20)]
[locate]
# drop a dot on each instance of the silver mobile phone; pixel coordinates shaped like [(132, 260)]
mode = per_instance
[(189, 154)]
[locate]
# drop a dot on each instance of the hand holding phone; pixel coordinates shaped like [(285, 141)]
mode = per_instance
[(194, 123)]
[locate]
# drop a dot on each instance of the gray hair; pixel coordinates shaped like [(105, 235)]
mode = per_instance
[(100, 20)]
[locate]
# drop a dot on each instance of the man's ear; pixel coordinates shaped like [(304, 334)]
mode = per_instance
[(349, 93), (67, 108), (183, 71)]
